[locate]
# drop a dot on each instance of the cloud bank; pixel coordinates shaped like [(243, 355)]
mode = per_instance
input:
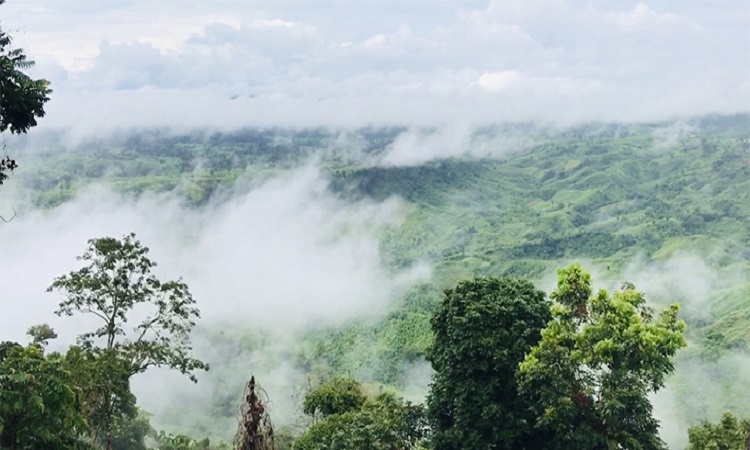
[(272, 261), (345, 63), (288, 250)]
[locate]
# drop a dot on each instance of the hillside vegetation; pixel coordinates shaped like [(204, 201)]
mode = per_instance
[(607, 194)]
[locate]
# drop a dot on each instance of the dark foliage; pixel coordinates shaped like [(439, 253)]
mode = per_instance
[(482, 330)]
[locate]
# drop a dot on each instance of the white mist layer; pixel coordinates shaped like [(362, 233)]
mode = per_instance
[(416, 146), (281, 258)]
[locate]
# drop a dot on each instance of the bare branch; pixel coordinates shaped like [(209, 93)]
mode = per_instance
[(146, 327), (89, 310), (255, 431)]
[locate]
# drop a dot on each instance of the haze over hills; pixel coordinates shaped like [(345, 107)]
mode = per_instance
[(371, 238), (377, 223)]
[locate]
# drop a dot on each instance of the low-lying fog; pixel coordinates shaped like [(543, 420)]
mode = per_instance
[(282, 257)]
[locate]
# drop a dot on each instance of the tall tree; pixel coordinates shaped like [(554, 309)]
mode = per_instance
[(22, 98), (482, 330), (116, 282), (597, 362)]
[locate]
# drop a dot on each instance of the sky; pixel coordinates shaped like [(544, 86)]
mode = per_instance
[(231, 63)]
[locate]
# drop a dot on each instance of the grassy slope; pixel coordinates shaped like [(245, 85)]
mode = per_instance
[(604, 194), (598, 197)]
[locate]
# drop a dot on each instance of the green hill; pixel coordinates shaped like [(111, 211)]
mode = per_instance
[(607, 194)]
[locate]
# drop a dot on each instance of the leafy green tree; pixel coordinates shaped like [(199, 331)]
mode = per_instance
[(383, 423), (336, 396), (22, 98), (103, 378), (597, 362), (482, 330), (5, 347), (130, 432), (116, 282), (181, 442), (729, 434), (39, 405), (40, 334)]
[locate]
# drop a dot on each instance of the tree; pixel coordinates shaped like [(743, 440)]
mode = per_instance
[(182, 442), (22, 98), (103, 378), (729, 434), (336, 396), (41, 333), (597, 362), (383, 423), (39, 405), (115, 282), (482, 330), (130, 432)]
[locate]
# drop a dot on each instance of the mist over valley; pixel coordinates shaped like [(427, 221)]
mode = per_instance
[(311, 252), (372, 225)]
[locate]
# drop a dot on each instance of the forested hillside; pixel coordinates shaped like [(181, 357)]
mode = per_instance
[(607, 193), (664, 202)]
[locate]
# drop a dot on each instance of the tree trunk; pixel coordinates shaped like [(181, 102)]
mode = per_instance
[(8, 437), (108, 421), (255, 431)]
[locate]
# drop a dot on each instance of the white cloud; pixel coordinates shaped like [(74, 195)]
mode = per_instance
[(275, 260), (670, 135), (279, 24), (416, 63), (641, 17), (418, 146), (287, 249), (517, 11), (497, 81)]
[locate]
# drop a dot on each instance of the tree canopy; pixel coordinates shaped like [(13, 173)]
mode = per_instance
[(352, 421), (22, 98), (116, 280), (730, 433), (597, 362), (336, 396), (482, 330), (39, 405), (115, 283)]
